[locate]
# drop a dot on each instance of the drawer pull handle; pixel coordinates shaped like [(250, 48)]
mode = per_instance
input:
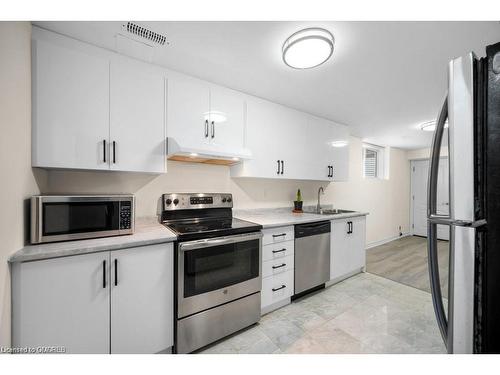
[(279, 235), (281, 287), (281, 265), (279, 251)]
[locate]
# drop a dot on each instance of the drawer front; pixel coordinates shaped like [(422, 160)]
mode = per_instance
[(277, 250), (277, 288), (277, 266), (274, 235)]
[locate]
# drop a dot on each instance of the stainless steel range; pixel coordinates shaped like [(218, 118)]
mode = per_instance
[(218, 268)]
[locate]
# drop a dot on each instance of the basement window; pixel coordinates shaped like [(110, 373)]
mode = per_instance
[(373, 161)]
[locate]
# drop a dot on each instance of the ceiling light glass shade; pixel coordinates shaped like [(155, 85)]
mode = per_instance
[(215, 116), (308, 48), (339, 143), (430, 126)]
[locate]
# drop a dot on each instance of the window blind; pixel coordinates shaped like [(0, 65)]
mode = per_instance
[(371, 163)]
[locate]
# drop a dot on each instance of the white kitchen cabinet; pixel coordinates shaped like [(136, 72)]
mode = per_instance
[(271, 136), (348, 254), (278, 267), (137, 118), (188, 104), (73, 301), (227, 120), (204, 118), (62, 302), (94, 109), (70, 94), (290, 144), (142, 299)]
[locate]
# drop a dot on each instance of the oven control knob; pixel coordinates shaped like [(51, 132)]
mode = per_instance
[(176, 201), (168, 202), (229, 199), (224, 200)]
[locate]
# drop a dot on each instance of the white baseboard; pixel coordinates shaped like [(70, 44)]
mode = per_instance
[(385, 240)]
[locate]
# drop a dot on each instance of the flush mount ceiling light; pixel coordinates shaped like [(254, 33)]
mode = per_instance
[(339, 143), (430, 126), (308, 48)]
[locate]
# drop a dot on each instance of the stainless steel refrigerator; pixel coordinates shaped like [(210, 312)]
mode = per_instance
[(471, 322)]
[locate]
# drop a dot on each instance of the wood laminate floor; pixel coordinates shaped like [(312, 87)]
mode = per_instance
[(405, 261)]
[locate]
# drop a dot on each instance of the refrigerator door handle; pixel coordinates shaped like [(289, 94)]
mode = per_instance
[(435, 284), (445, 220)]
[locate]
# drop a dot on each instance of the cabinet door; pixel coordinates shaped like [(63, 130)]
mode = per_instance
[(188, 112), (137, 132), (340, 155), (226, 119), (70, 92), (266, 134), (142, 299), (347, 249), (62, 302)]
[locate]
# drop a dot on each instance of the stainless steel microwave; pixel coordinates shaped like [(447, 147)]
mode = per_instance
[(74, 217)]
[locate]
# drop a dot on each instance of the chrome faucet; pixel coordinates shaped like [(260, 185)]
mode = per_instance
[(318, 207)]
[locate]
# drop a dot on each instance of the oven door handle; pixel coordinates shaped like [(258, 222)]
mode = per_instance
[(200, 244)]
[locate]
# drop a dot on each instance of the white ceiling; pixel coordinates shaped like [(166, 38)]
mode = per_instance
[(383, 80)]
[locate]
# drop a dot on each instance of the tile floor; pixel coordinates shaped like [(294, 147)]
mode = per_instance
[(363, 314)]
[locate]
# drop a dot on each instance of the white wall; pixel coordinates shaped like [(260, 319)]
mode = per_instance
[(386, 200), (425, 153), (17, 181)]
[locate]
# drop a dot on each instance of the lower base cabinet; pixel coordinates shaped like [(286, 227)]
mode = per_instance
[(347, 246), (107, 302), (277, 267)]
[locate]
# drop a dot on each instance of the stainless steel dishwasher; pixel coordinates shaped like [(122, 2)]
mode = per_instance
[(312, 255)]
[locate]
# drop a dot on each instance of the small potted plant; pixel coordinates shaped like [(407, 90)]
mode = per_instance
[(297, 203)]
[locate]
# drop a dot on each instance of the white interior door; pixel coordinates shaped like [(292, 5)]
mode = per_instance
[(419, 176)]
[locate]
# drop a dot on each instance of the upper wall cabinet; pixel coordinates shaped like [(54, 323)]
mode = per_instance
[(204, 119), (137, 118), (95, 111), (70, 91), (290, 144), (328, 142)]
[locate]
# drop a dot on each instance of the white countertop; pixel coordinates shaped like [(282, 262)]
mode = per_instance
[(150, 231), (147, 232), (278, 217)]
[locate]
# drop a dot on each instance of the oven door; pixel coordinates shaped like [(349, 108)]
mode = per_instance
[(216, 271)]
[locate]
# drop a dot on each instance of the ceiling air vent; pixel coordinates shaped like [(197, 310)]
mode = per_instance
[(145, 33)]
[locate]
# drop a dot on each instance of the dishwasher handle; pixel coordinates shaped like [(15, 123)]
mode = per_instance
[(312, 229)]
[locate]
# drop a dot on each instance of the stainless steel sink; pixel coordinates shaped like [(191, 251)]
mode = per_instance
[(335, 211)]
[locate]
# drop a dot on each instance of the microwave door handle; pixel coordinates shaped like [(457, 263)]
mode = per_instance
[(194, 245), (435, 284)]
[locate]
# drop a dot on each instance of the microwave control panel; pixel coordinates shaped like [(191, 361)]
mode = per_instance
[(125, 215)]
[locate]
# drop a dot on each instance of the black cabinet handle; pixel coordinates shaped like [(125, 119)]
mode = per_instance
[(282, 166), (281, 287), (329, 171), (114, 152), (281, 265), (116, 272), (213, 129), (278, 251), (279, 235), (278, 167), (349, 227), (352, 227), (206, 128), (104, 274), (104, 150), (332, 171)]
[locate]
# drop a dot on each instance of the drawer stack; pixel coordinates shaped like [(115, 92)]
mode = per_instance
[(277, 267)]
